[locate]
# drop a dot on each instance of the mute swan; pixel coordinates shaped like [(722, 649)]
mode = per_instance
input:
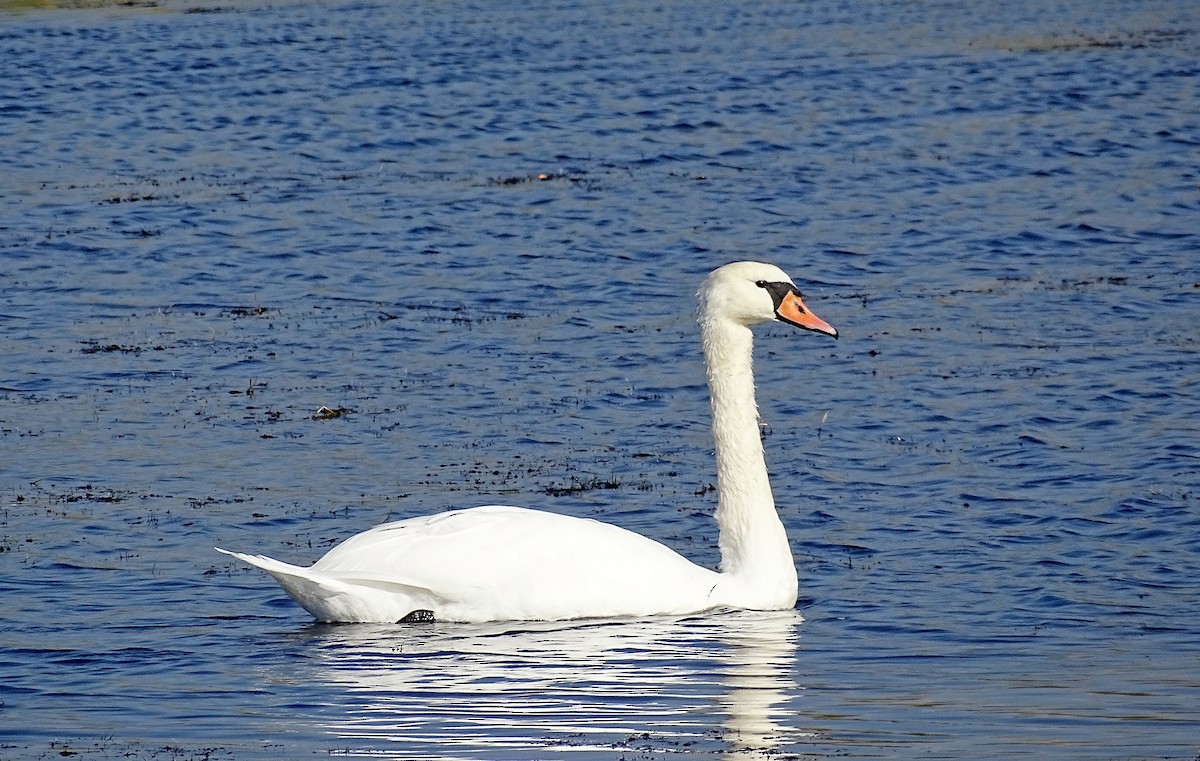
[(500, 563)]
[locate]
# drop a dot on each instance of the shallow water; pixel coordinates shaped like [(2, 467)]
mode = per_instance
[(477, 230)]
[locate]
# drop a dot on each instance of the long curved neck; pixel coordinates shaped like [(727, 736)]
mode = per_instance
[(753, 542)]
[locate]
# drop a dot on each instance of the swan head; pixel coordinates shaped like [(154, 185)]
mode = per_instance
[(752, 292)]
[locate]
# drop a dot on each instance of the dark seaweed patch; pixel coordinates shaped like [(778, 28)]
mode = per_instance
[(94, 347), (245, 312), (577, 487)]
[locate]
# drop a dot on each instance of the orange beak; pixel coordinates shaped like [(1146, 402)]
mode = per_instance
[(792, 310)]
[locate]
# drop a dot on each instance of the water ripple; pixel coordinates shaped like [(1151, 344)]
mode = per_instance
[(477, 231)]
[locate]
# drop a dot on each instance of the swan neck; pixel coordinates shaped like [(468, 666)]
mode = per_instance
[(753, 541)]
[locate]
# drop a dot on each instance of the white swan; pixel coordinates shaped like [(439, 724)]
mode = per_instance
[(508, 563)]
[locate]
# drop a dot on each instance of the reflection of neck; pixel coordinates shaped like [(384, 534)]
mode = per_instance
[(753, 542), (761, 661)]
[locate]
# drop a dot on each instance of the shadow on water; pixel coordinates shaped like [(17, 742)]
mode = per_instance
[(717, 686)]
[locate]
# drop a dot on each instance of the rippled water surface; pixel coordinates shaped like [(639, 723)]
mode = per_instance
[(476, 230)]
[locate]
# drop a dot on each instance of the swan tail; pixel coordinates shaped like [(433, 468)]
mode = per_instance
[(272, 566), (347, 600)]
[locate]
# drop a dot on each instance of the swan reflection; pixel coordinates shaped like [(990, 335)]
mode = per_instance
[(718, 686)]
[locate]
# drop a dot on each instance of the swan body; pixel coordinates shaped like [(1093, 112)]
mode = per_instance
[(499, 563)]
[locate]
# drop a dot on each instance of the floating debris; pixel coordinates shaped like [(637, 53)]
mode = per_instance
[(250, 388), (329, 413), (540, 177), (131, 198)]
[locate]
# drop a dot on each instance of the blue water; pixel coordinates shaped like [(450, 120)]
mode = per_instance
[(478, 230)]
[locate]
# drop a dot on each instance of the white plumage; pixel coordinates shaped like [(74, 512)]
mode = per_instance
[(509, 563)]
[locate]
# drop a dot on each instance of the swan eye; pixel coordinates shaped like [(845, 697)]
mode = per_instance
[(780, 291)]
